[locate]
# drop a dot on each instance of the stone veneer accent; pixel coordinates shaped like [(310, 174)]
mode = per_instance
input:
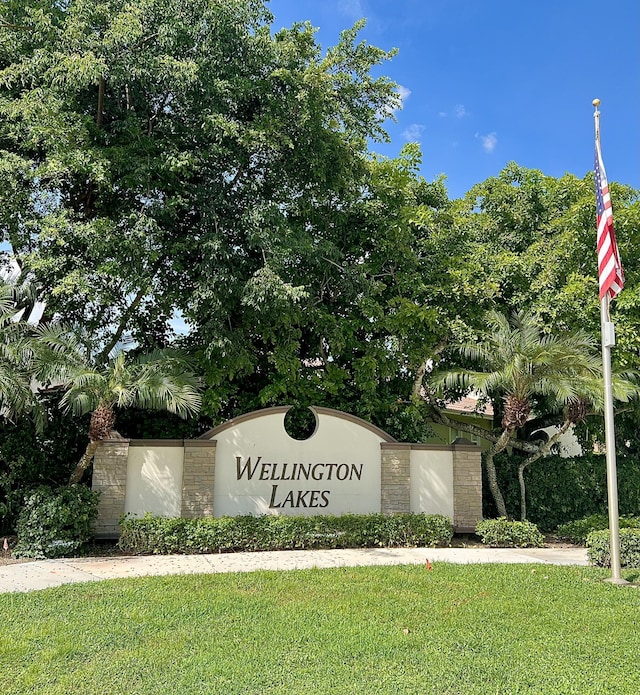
[(198, 476), (467, 486), (110, 479), (395, 493)]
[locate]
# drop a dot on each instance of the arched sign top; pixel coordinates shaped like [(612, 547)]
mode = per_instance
[(319, 413)]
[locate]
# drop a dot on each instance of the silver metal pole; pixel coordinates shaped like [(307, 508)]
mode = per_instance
[(608, 341)]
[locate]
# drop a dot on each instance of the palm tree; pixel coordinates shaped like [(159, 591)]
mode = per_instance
[(30, 356), (158, 381), (521, 365)]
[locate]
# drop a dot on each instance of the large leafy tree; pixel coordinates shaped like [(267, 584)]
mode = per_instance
[(164, 155), (534, 239), (189, 160)]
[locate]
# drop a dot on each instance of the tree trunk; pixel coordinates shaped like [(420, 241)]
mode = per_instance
[(84, 462), (493, 483), (492, 474), (542, 450), (523, 492)]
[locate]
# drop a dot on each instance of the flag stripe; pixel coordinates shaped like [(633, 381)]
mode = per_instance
[(610, 275)]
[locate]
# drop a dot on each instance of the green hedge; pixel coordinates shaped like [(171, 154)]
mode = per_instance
[(502, 533), (159, 535), (560, 490), (599, 553), (577, 531)]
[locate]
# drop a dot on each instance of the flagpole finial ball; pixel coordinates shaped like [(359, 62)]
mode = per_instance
[(596, 102)]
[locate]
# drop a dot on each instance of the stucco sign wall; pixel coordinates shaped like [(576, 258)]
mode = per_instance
[(250, 465), (260, 469)]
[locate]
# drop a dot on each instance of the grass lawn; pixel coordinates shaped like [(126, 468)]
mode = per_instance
[(455, 629)]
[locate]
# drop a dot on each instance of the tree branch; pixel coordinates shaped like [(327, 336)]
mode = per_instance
[(126, 315), (545, 448), (100, 101), (8, 25), (156, 113), (489, 435)]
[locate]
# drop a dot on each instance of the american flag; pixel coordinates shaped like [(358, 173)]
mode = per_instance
[(609, 267)]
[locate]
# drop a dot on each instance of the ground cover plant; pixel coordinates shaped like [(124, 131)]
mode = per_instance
[(473, 629)]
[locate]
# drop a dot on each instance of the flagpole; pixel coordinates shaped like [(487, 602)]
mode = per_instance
[(608, 341)]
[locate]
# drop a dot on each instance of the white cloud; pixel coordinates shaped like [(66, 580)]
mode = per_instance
[(351, 8), (389, 111), (459, 111), (489, 142), (404, 94), (413, 132)]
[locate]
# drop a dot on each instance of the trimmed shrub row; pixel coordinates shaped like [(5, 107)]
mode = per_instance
[(502, 533), (599, 551), (163, 536), (577, 531)]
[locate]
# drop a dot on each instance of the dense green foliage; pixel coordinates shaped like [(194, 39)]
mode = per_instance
[(56, 523), (472, 629), (599, 548), (578, 530), (31, 457), (503, 533), (134, 423), (560, 490), (249, 533)]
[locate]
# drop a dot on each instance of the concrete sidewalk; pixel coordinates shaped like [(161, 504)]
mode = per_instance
[(42, 574)]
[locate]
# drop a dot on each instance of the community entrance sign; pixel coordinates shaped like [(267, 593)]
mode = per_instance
[(260, 469), (250, 465)]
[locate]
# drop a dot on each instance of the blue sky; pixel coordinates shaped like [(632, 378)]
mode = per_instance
[(486, 82)]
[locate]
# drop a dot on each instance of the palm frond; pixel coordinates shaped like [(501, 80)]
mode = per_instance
[(517, 360)]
